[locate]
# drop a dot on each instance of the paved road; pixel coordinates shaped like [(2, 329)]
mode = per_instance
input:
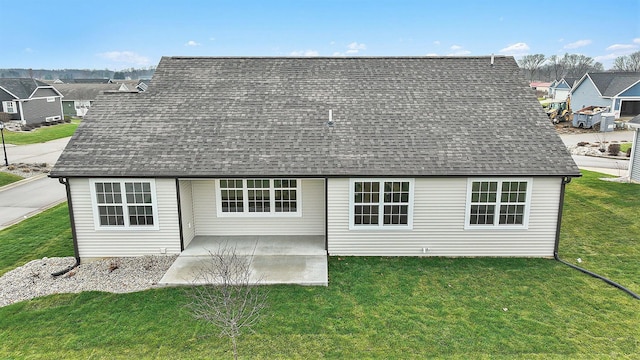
[(26, 198), (20, 201), (604, 165), (620, 135), (47, 152)]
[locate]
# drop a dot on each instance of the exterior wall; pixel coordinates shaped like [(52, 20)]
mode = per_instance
[(438, 224), (634, 164), (561, 94), (94, 243), (68, 108), (186, 209), (36, 111), (633, 91), (208, 223), (587, 95)]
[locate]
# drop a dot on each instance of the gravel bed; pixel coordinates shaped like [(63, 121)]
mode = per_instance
[(116, 275)]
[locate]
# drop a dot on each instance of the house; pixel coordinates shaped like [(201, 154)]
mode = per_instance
[(559, 89), (373, 156), (634, 162), (620, 91), (78, 98), (30, 101), (540, 86), (83, 81)]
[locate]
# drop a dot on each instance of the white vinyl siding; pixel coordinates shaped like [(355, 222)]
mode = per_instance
[(207, 221), (439, 224), (94, 243), (186, 204)]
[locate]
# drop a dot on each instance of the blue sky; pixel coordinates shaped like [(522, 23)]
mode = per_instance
[(118, 34)]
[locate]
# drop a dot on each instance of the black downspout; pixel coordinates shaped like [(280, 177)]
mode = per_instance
[(565, 181), (326, 215), (179, 215), (65, 182)]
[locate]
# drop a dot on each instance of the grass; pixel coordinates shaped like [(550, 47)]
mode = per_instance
[(42, 134), (625, 146), (378, 307), (46, 234), (7, 178)]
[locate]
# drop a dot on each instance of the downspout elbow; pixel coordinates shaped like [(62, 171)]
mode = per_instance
[(65, 182)]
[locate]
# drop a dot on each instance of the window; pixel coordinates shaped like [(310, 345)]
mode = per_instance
[(376, 204), (125, 204), (51, 99), (498, 203), (258, 197), (9, 107)]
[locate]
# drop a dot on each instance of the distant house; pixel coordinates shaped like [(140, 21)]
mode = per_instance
[(83, 81), (634, 162), (540, 86), (30, 101), (559, 89), (78, 98), (369, 156), (618, 90)]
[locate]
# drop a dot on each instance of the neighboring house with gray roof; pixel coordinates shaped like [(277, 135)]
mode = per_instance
[(559, 89), (634, 162), (620, 91), (30, 101), (375, 156), (78, 98)]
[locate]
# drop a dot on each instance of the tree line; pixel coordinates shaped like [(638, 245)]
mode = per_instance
[(65, 74), (541, 68)]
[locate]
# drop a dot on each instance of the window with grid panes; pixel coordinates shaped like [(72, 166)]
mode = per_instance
[(268, 197), (381, 203), (498, 203), (123, 203)]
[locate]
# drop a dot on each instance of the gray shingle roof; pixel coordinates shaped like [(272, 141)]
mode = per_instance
[(84, 91), (21, 87), (612, 83), (427, 116)]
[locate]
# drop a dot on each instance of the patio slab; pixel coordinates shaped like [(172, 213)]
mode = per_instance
[(300, 260)]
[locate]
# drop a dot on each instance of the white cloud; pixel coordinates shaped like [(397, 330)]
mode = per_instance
[(605, 58), (191, 43), (332, 43), (636, 41), (212, 39), (355, 48), (456, 47), (128, 57), (431, 54), (338, 54), (305, 53), (436, 42), (28, 50), (621, 47), (516, 49), (578, 44)]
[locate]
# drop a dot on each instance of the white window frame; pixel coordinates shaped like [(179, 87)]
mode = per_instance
[(7, 105), (125, 205), (381, 203), (496, 219), (272, 200), (51, 98)]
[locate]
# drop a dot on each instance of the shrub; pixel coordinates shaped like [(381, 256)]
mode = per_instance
[(614, 149)]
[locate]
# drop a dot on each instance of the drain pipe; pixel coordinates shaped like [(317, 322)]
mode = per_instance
[(65, 182), (565, 181)]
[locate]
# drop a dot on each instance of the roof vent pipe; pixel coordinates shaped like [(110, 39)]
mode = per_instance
[(491, 59), (330, 122)]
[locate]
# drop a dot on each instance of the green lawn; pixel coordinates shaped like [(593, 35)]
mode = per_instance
[(7, 178), (378, 307), (42, 134), (625, 146), (47, 234)]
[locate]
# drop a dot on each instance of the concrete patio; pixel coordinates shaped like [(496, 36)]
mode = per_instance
[(298, 260)]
